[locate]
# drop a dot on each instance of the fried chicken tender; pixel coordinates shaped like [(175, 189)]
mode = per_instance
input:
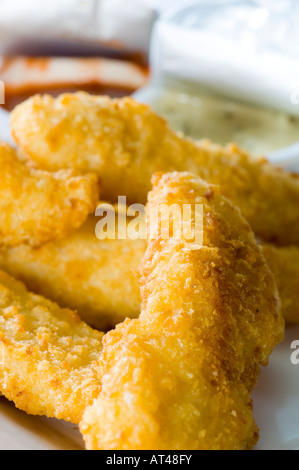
[(284, 263), (180, 376), (49, 357), (98, 278), (36, 206), (124, 142)]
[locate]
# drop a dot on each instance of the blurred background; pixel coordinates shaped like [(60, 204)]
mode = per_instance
[(226, 70)]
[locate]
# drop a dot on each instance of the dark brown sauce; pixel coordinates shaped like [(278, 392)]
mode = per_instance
[(14, 98), (15, 95)]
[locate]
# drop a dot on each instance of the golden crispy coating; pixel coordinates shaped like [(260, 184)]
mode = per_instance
[(284, 263), (98, 278), (125, 143), (48, 363), (36, 206), (180, 376)]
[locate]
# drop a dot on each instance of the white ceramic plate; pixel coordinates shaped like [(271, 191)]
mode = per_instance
[(19, 431), (276, 399)]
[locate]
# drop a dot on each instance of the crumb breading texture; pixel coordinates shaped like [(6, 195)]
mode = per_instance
[(180, 376), (36, 206), (124, 142), (98, 278), (284, 263), (49, 357)]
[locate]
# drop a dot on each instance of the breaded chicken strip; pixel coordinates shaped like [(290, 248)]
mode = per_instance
[(98, 278), (48, 362), (125, 143), (284, 263), (36, 206), (180, 376)]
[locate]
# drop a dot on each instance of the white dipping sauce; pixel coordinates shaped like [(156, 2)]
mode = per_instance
[(202, 116)]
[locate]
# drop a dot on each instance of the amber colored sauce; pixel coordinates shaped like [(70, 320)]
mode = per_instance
[(14, 96), (12, 99)]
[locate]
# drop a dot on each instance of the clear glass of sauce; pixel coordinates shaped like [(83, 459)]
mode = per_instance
[(221, 70)]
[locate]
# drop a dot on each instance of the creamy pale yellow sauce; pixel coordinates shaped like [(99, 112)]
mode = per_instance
[(200, 116)]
